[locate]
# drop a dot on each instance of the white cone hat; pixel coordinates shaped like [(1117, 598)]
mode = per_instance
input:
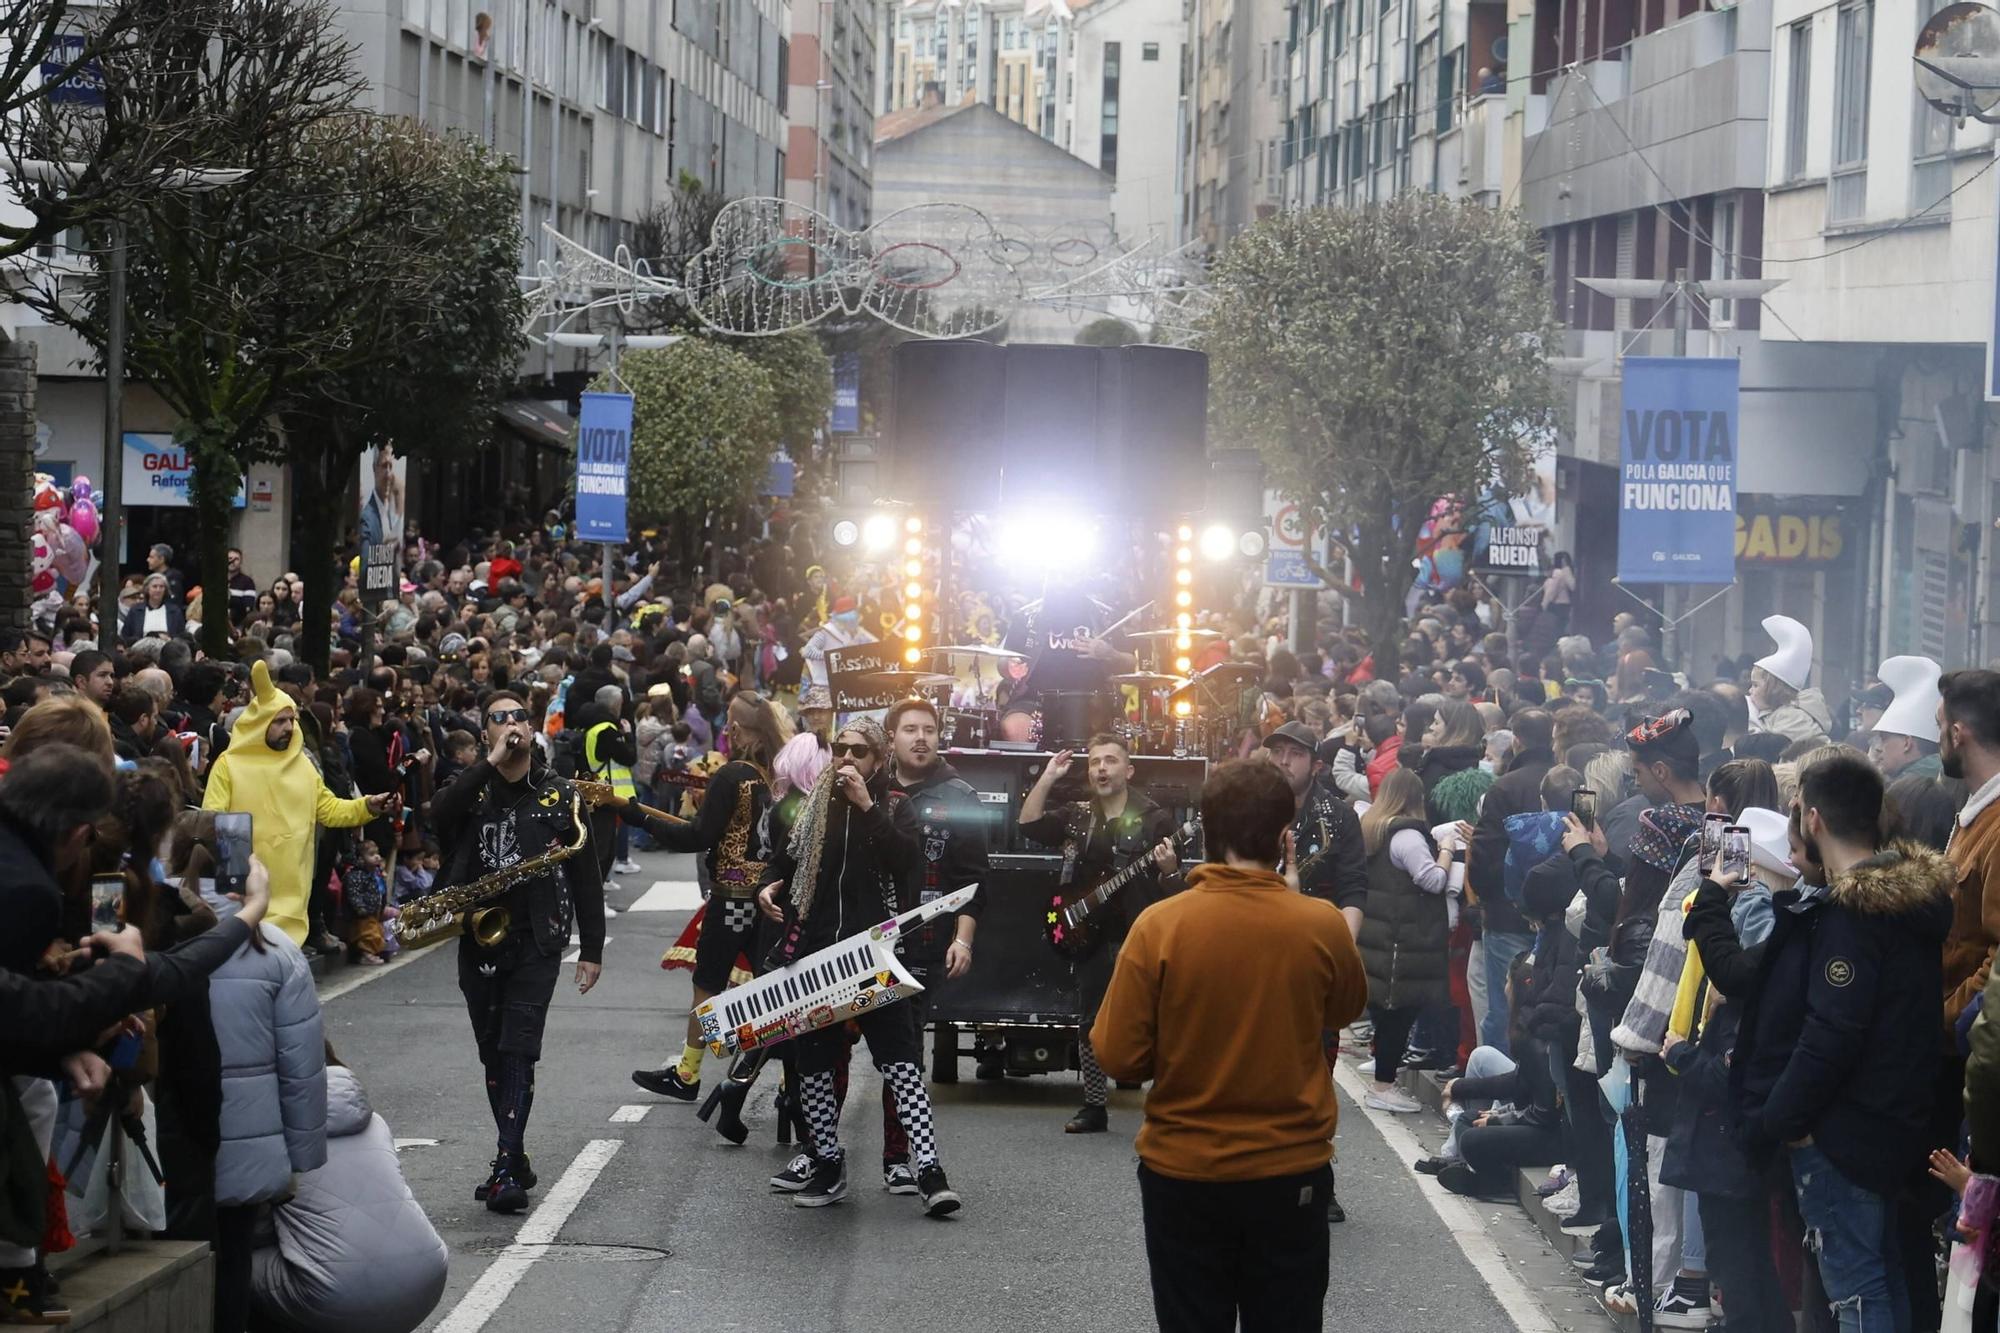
[(1792, 662), (1914, 713)]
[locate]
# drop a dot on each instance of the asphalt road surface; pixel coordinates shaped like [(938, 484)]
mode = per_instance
[(647, 1220)]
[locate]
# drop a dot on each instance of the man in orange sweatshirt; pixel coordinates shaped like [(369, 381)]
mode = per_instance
[(1219, 997)]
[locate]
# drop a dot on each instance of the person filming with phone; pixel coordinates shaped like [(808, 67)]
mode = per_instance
[(1837, 1054), (267, 774)]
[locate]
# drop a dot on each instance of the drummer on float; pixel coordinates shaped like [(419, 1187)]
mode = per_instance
[(1062, 637)]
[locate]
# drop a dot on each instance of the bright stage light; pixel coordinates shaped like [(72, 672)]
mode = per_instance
[(1183, 598), (1182, 708), (1183, 621), (914, 546), (1185, 533), (1183, 664), (913, 568), (879, 532), (1184, 577), (1218, 542), (914, 633), (913, 589), (1251, 544), (1184, 555), (1044, 538), (913, 611), (913, 524), (846, 532), (913, 655)]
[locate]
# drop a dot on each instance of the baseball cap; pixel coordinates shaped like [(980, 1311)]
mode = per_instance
[(1298, 734)]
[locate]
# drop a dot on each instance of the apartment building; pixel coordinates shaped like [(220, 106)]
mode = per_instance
[(830, 141)]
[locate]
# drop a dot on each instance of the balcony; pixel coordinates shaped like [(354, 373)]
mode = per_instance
[(1471, 158)]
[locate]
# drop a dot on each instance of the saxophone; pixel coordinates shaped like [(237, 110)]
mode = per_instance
[(439, 916)]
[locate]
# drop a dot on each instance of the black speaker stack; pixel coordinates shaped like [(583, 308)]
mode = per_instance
[(1112, 430)]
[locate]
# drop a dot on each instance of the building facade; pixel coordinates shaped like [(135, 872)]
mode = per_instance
[(830, 143), (1232, 132)]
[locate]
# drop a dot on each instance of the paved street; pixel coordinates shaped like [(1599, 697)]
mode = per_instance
[(646, 1220)]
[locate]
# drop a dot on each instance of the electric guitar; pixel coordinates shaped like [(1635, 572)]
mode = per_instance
[(1067, 925)]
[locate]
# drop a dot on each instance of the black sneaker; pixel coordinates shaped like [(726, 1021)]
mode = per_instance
[(898, 1178), (25, 1297), (1090, 1120), (1430, 1166), (828, 1185), (667, 1082), (506, 1193), (1606, 1271), (990, 1065), (798, 1173), (940, 1199), (1335, 1214), (522, 1172)]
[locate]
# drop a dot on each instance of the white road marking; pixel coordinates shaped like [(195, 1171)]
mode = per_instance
[(1460, 1219), (531, 1242), (668, 895), (577, 953), (629, 1115), (359, 976), (401, 1144)]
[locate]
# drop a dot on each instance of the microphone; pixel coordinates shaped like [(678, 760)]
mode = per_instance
[(513, 742)]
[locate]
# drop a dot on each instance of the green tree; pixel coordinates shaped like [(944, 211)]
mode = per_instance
[(704, 419), (801, 383), (434, 306), (1381, 358), (224, 301), (1108, 332)]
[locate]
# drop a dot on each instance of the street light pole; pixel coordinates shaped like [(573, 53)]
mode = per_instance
[(111, 485)]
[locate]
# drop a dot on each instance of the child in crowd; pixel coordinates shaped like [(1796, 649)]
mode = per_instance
[(366, 887), (458, 753), (414, 877)]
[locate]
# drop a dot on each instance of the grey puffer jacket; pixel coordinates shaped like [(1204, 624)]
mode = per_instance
[(267, 1026), (352, 1248), (1806, 718)]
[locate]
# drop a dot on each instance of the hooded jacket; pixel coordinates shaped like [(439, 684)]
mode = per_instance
[(1519, 791), (1838, 1036), (267, 1027), (352, 1248), (1805, 718), (285, 797)]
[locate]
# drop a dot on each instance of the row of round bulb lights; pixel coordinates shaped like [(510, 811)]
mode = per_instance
[(1184, 610), (913, 590)]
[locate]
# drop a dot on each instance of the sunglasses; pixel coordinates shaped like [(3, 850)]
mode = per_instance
[(845, 750), (502, 716)]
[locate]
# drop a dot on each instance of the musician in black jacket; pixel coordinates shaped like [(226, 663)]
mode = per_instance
[(1099, 837), (841, 874), (508, 808), (728, 829)]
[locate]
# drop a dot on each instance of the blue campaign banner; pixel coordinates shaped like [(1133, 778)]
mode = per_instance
[(603, 465), (845, 418), (1677, 470)]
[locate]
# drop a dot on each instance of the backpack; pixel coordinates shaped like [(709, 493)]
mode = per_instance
[(1532, 838), (568, 757)]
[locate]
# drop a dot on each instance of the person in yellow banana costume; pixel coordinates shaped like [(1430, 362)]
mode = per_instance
[(267, 773)]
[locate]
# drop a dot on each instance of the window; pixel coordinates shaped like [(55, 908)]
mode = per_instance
[(1722, 261), (1149, 51), (1109, 129), (1798, 100), (1847, 195), (1447, 91), (1930, 147)]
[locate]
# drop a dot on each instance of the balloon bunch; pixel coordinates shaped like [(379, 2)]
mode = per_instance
[(66, 527)]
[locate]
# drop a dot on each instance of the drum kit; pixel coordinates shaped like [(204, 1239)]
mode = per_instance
[(1192, 714)]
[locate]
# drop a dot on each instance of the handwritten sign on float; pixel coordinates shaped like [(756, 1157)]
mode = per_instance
[(846, 672)]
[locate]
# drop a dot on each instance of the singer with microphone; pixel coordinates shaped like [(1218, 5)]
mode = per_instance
[(504, 809)]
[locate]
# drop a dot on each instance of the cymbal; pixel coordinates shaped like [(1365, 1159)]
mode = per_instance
[(904, 680), (1234, 673), (1148, 680), (975, 650), (1194, 635)]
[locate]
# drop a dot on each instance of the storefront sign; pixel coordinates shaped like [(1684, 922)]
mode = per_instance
[(1782, 535), (156, 471), (603, 463), (1677, 470), (383, 475)]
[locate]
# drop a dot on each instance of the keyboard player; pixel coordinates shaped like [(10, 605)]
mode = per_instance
[(836, 877)]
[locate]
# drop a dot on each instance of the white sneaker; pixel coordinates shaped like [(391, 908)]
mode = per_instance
[(1565, 1201), (1394, 1100), (1618, 1300), (609, 911), (626, 867)]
